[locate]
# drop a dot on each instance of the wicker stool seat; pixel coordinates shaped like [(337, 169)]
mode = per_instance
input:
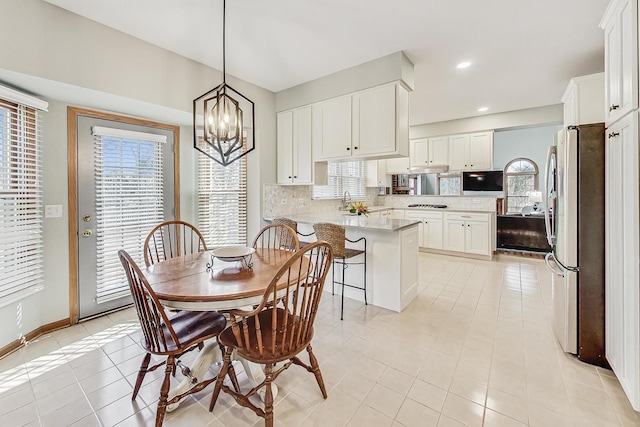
[(335, 235), (291, 223)]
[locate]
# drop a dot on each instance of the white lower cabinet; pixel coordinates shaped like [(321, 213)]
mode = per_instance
[(397, 214), (429, 229), (467, 232)]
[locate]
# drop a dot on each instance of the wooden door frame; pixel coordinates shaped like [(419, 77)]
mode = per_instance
[(72, 172)]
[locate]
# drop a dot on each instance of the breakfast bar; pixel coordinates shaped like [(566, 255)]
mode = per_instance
[(392, 256)]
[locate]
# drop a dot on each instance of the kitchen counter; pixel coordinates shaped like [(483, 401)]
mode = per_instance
[(352, 221)]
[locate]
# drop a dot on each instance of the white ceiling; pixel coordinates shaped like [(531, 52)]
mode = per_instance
[(523, 51)]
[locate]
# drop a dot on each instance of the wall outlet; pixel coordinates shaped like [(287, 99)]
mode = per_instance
[(476, 201), (52, 211)]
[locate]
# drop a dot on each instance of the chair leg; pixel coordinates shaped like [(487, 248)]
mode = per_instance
[(221, 374), (333, 277), (344, 267), (365, 275), (141, 373), (234, 378), (268, 395), (315, 368), (164, 392)]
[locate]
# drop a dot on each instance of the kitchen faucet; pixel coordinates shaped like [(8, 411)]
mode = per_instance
[(346, 198)]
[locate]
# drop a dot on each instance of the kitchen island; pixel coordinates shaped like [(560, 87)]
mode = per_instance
[(392, 257)]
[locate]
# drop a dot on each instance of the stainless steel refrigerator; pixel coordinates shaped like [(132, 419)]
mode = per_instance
[(574, 219)]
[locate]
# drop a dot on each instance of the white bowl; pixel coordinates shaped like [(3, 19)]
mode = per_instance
[(232, 253)]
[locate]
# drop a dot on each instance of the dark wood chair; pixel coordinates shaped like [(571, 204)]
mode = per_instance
[(335, 235), (170, 337), (277, 236), (272, 333), (294, 225), (171, 239)]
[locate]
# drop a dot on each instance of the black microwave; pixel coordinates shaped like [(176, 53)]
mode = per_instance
[(482, 181)]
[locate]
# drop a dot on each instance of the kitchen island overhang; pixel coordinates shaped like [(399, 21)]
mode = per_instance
[(392, 257)]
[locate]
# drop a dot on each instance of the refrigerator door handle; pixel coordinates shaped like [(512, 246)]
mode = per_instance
[(547, 260), (549, 195)]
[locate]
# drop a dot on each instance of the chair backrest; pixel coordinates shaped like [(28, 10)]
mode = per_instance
[(277, 236), (171, 239), (290, 329), (333, 234), (151, 314), (286, 221)]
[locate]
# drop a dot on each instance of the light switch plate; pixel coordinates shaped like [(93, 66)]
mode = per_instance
[(52, 211)]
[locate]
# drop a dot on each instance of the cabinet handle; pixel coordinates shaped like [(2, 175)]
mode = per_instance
[(355, 148), (468, 225), (289, 177), (295, 176), (471, 165), (614, 134), (348, 148), (613, 107)]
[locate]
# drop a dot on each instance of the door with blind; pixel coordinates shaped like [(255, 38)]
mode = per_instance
[(125, 186)]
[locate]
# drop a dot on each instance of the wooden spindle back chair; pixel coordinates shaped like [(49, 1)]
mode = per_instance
[(166, 336), (171, 239), (294, 225), (277, 236), (273, 333)]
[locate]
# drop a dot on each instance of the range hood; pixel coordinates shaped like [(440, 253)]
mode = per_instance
[(429, 169)]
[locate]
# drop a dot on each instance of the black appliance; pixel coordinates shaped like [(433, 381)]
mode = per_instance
[(427, 206), (482, 181)]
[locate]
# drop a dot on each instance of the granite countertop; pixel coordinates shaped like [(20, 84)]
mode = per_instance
[(447, 209), (348, 220)]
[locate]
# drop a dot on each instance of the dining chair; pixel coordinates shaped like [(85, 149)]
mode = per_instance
[(170, 337), (294, 225), (277, 236), (335, 235), (270, 333), (171, 239)]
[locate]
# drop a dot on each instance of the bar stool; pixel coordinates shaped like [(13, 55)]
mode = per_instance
[(291, 223), (335, 235)]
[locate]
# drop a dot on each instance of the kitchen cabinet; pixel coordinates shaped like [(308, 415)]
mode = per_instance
[(376, 173), (473, 151), (622, 249), (397, 214), (294, 146), (467, 232), (397, 166), (426, 152), (583, 100), (372, 123), (620, 25), (430, 228)]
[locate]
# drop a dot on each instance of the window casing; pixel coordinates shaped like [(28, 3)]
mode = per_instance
[(341, 177), (222, 201), (21, 241), (520, 178)]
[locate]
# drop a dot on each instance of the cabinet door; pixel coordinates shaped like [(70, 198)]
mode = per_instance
[(284, 124), (432, 233), (438, 151), (454, 232), (480, 154), (612, 68), (374, 121), (332, 128), (374, 215), (397, 214), (398, 166), (570, 106), (376, 173), (302, 155), (413, 215), (477, 237), (419, 152), (458, 152)]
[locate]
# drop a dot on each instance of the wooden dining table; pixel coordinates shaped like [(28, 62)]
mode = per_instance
[(201, 282)]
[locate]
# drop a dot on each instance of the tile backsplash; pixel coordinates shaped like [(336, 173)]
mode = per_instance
[(281, 200)]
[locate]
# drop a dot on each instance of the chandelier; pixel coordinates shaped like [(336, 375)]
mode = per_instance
[(219, 118)]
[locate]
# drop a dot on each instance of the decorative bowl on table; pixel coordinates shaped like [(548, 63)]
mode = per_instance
[(236, 253)]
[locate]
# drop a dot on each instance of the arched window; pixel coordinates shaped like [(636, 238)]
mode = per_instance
[(520, 178)]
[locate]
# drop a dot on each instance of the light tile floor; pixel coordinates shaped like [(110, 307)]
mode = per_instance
[(475, 348)]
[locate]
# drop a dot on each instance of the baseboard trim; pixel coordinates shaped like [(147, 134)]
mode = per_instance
[(44, 329)]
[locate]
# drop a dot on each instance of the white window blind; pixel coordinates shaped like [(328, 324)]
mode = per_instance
[(343, 176), (21, 264), (222, 201), (129, 201)]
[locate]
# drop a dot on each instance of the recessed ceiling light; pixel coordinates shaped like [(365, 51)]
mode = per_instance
[(481, 109), (464, 64)]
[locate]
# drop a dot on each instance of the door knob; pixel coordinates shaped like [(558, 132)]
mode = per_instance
[(87, 218), (87, 232)]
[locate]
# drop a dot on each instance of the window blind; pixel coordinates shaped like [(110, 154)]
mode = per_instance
[(343, 176), (129, 201), (21, 245), (222, 201)]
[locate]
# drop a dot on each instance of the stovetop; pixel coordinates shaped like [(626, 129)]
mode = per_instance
[(427, 206)]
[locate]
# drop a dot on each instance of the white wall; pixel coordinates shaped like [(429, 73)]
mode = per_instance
[(70, 60)]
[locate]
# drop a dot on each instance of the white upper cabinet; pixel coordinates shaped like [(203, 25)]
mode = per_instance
[(376, 173), (371, 124), (419, 152), (620, 25), (294, 148), (397, 166), (584, 100), (438, 151), (425, 152), (472, 151), (332, 128)]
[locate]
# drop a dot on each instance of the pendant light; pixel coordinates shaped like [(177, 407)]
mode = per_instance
[(220, 117)]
